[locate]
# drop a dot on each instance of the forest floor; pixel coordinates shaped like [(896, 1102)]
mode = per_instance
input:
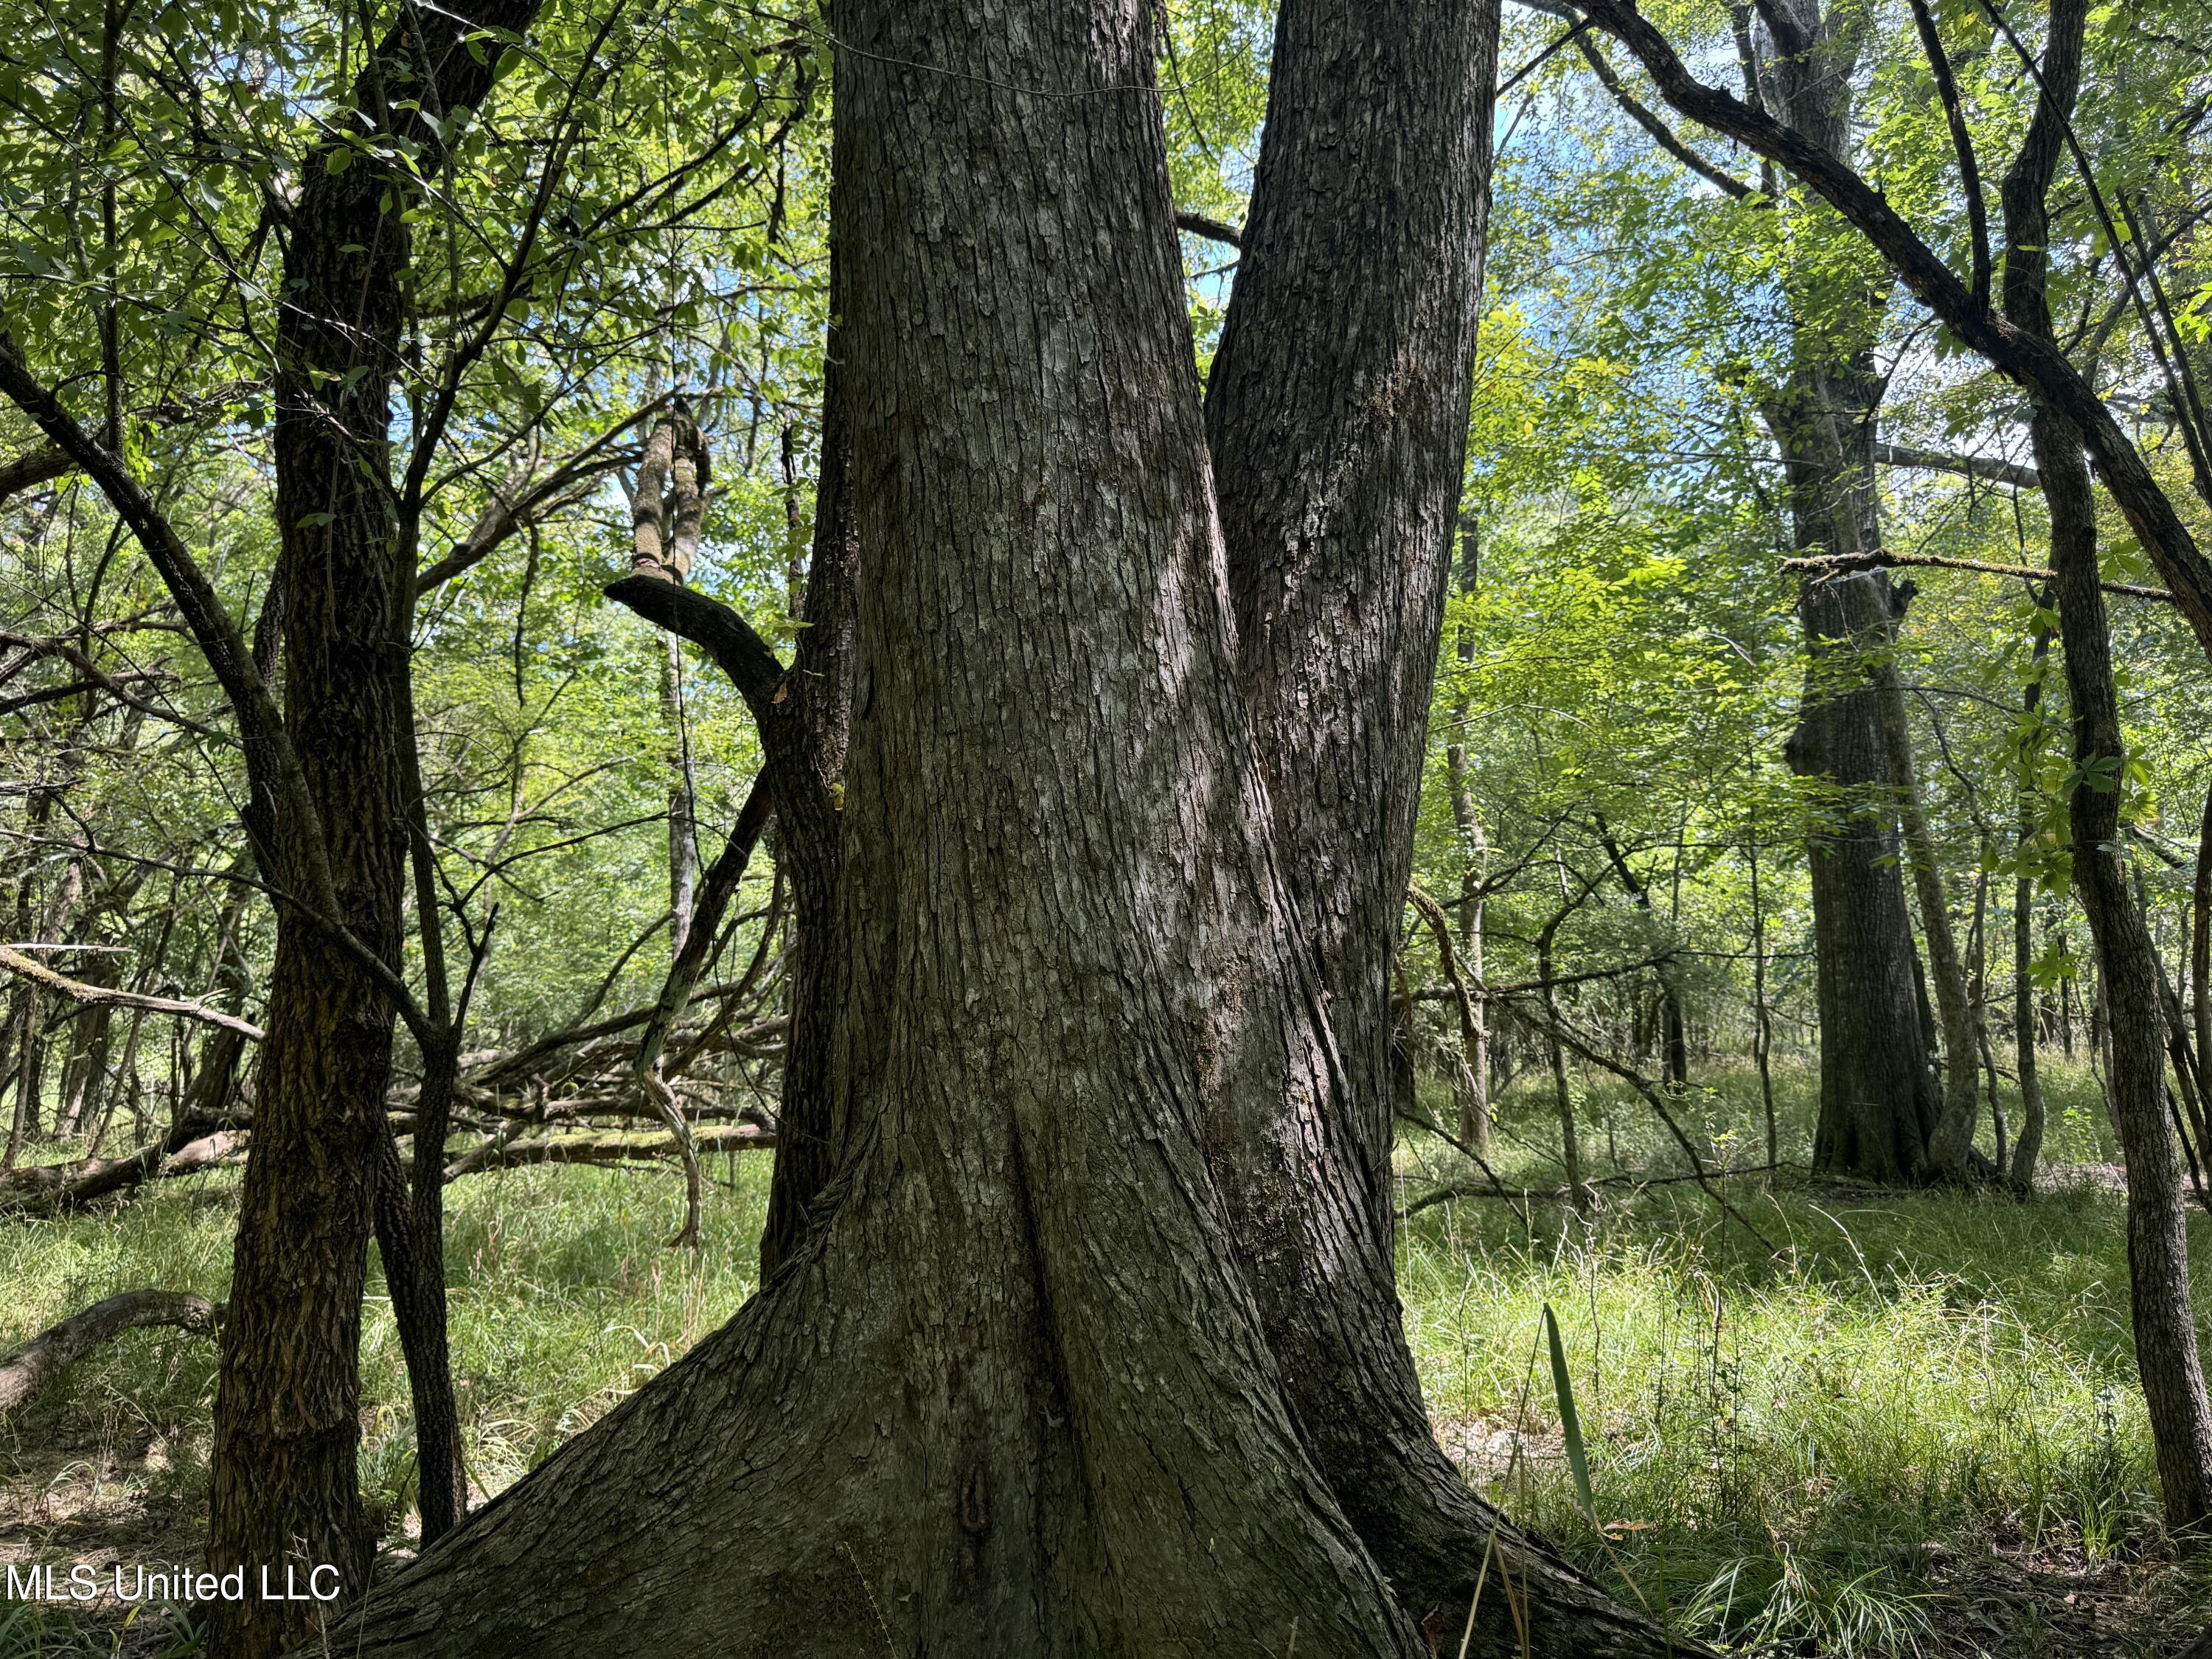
[(1910, 1427)]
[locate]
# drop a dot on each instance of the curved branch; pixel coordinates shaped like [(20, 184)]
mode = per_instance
[(52, 1351), (714, 627), (1214, 230), (93, 996), (38, 466), (1661, 134)]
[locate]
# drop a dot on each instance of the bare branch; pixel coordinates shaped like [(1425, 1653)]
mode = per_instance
[(93, 996), (1837, 564)]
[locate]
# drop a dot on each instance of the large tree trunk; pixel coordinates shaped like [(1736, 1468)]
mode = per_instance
[(1056, 1427), (1878, 1100), (287, 1425), (2167, 1357), (1053, 1427), (1336, 418)]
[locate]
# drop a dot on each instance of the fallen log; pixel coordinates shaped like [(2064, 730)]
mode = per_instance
[(54, 1351), (57, 1188), (613, 1148)]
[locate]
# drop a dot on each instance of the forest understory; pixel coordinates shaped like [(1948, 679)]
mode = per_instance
[(1108, 829), (1916, 1432)]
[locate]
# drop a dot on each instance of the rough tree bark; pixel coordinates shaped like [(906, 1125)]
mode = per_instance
[(1878, 1102), (1059, 1426), (1336, 418), (1878, 1099), (1055, 1429), (2167, 1357), (287, 1425)]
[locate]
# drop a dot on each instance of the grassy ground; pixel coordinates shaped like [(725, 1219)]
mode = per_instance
[(1911, 1430)]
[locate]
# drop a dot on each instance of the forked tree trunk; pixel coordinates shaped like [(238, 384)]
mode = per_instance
[(1337, 421), (1336, 418), (1010, 1395)]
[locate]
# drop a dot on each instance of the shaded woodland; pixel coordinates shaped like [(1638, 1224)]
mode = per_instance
[(1124, 762)]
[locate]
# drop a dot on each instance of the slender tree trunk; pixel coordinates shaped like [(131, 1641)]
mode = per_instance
[(2158, 1251), (2200, 940), (287, 1425), (1762, 1038), (1675, 1039), (667, 513), (2167, 1357), (1466, 816), (1977, 990), (2028, 1148), (1563, 1099)]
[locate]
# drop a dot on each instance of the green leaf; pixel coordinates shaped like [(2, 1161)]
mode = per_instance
[(1571, 1422)]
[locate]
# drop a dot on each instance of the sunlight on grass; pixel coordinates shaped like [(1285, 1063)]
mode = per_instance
[(1789, 1453)]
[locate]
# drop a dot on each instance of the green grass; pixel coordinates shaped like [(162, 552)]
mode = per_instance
[(1809, 1448), (563, 1299), (1920, 1413)]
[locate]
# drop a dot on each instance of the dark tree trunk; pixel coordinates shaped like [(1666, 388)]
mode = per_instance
[(2167, 1357), (1878, 1099), (1056, 1427), (810, 779), (287, 1427), (1336, 419)]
